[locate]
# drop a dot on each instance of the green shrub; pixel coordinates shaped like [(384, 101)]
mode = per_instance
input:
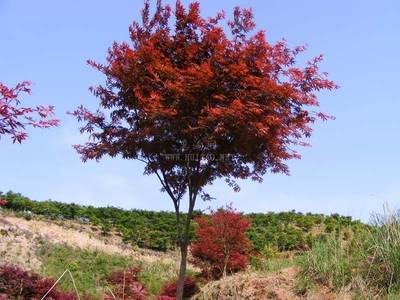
[(270, 251)]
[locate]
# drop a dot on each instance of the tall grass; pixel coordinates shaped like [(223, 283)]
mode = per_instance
[(368, 264), (271, 265), (384, 252), (332, 262), (155, 274)]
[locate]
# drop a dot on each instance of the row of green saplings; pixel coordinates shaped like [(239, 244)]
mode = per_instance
[(157, 230)]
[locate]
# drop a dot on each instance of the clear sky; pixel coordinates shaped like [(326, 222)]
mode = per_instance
[(352, 167)]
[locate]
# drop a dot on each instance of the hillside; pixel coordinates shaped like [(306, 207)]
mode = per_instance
[(285, 231), (118, 254), (48, 247)]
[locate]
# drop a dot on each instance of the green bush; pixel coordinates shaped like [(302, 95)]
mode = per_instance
[(270, 251)]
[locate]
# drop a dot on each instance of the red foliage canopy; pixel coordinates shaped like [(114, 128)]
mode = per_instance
[(14, 119), (202, 94), (221, 244)]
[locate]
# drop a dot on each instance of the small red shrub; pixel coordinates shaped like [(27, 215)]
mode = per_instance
[(20, 284), (190, 289), (126, 285), (221, 244), (3, 202)]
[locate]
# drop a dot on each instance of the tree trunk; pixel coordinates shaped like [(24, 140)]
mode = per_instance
[(226, 260), (184, 243), (182, 271), (224, 270)]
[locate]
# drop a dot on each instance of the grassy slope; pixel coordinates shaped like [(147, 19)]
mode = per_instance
[(89, 268), (50, 247)]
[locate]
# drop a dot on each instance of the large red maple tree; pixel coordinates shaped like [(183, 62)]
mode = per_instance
[(196, 101), (14, 118)]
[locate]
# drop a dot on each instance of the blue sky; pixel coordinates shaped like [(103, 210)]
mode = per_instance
[(352, 167)]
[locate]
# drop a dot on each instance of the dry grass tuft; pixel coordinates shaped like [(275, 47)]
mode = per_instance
[(250, 285)]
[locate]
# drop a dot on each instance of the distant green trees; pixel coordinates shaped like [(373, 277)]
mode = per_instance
[(294, 230), (146, 229), (157, 230)]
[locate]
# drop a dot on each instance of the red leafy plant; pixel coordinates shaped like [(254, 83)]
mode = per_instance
[(125, 285), (14, 119), (190, 288), (3, 202), (221, 244), (16, 283)]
